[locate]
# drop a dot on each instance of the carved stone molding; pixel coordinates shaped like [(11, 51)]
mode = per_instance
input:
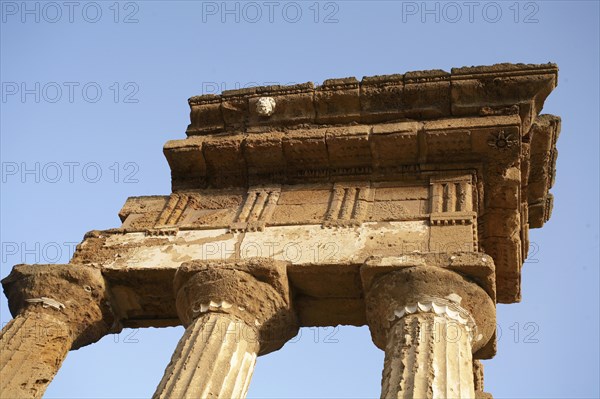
[(254, 291), (418, 94), (441, 307), (349, 204), (429, 321), (233, 312), (400, 291), (257, 209), (74, 294)]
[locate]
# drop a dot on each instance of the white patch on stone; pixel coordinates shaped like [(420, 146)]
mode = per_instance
[(424, 307), (46, 302), (454, 298), (443, 308), (265, 106), (301, 244), (306, 244)]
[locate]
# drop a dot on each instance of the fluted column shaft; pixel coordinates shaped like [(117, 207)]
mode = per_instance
[(429, 321), (215, 358), (428, 356), (33, 348), (233, 312)]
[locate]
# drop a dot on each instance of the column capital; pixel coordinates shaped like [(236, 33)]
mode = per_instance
[(75, 295), (429, 289), (254, 291)]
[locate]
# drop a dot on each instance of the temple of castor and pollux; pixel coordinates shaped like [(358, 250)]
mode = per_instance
[(399, 202)]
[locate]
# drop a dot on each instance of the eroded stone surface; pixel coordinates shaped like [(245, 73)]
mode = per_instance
[(429, 320), (254, 291), (314, 206), (233, 311), (33, 348), (76, 296), (214, 359), (57, 308), (428, 356), (419, 94)]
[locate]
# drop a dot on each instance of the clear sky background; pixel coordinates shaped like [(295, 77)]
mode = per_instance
[(148, 57)]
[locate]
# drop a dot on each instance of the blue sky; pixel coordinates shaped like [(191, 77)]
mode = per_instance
[(92, 90)]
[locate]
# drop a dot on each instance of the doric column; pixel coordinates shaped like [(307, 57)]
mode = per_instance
[(214, 358), (429, 321), (233, 312), (57, 308)]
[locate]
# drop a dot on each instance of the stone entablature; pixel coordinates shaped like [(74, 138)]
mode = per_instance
[(383, 130), (402, 202), (343, 204), (327, 291)]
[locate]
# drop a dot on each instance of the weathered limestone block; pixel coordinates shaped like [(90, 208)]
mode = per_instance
[(337, 101), (233, 312), (427, 94), (381, 98), (225, 165), (235, 108), (394, 144), (543, 136), (478, 380), (57, 308), (430, 321), (349, 150), (293, 105), (305, 151), (264, 157), (257, 209), (501, 89), (205, 114), (502, 86), (187, 163)]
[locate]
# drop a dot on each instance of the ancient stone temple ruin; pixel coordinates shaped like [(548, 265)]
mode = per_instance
[(400, 202)]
